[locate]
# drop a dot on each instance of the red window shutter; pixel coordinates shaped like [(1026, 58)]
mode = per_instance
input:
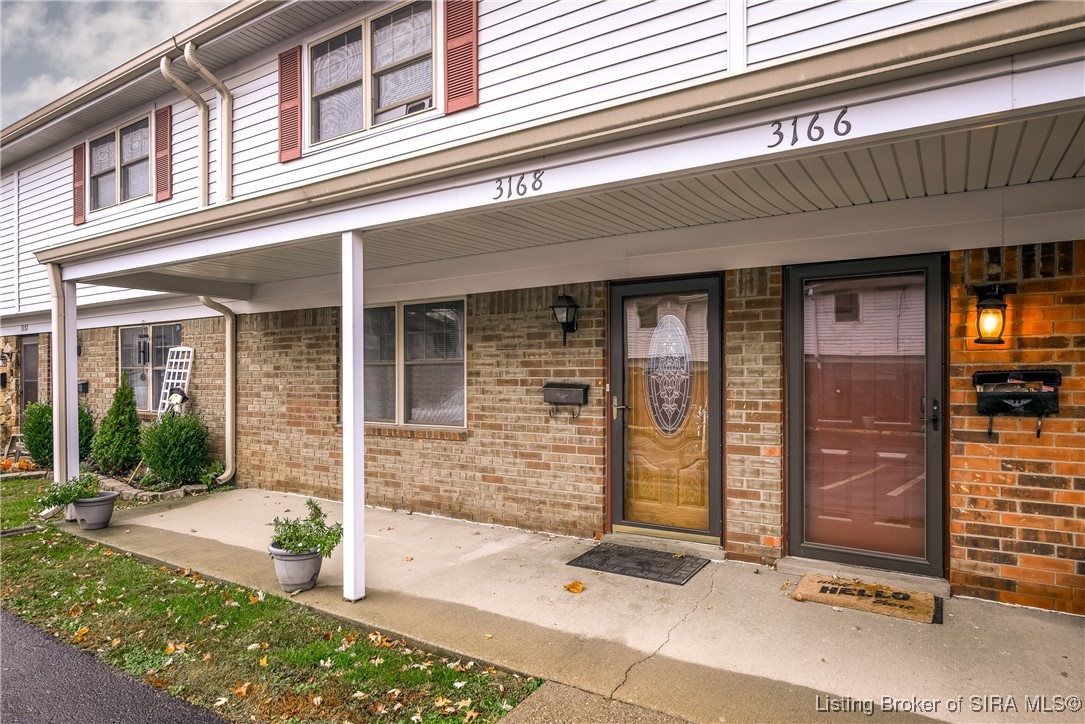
[(461, 55), (163, 154), (290, 104), (79, 184)]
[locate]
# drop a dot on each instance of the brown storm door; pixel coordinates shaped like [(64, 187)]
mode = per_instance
[(664, 407), (865, 412)]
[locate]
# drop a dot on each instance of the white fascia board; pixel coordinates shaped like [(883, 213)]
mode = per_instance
[(873, 115)]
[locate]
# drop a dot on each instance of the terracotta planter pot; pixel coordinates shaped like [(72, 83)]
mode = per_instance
[(296, 571), (94, 513)]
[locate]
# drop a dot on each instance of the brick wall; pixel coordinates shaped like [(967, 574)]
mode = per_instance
[(288, 432), (99, 365), (516, 465), (1017, 521), (753, 468)]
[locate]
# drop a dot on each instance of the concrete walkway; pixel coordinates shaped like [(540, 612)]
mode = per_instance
[(729, 646)]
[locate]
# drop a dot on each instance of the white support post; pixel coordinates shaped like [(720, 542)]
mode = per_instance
[(353, 419), (64, 377)]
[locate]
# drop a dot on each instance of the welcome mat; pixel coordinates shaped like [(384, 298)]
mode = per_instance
[(911, 605), (675, 568)]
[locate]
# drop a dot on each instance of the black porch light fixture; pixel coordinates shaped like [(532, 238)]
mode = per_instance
[(564, 311), (990, 314)]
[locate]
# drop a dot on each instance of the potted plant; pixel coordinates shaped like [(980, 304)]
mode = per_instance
[(299, 546), (93, 506)]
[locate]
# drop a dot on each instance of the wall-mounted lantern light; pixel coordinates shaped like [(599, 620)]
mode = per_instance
[(990, 314), (564, 310)]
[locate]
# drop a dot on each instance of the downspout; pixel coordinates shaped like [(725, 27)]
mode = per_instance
[(226, 123), (230, 402), (204, 123)]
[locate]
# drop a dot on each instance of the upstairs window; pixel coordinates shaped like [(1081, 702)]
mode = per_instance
[(374, 72), (120, 168)]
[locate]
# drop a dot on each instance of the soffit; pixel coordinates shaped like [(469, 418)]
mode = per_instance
[(992, 156)]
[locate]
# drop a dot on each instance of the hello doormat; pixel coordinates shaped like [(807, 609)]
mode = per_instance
[(674, 568), (846, 593)]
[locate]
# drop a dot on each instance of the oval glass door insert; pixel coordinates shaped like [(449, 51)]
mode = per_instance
[(669, 374)]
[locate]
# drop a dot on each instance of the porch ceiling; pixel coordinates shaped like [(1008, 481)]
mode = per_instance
[(987, 157)]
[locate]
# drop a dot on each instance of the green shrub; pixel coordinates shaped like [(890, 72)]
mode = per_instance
[(86, 431), (38, 433), (176, 449), (116, 446)]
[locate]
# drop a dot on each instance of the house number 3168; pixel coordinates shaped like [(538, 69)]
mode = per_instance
[(813, 130), (513, 186)]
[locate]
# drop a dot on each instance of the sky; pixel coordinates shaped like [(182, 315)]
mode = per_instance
[(51, 47)]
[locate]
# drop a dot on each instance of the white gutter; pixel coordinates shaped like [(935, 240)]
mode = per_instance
[(204, 123), (230, 401), (226, 123)]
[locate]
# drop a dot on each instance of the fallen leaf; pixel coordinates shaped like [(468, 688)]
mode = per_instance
[(488, 636), (252, 647), (470, 716), (574, 587), (441, 702), (254, 599), (459, 684), (107, 552), (114, 643), (220, 701), (785, 586), (170, 648), (78, 637), (242, 690), (207, 656), (463, 703), (376, 661), (318, 700), (679, 555), (394, 693), (263, 661), (359, 695), (76, 611)]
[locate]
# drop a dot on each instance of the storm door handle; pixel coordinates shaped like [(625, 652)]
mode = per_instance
[(935, 416)]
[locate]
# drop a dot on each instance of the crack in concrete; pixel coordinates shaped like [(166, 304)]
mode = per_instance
[(635, 664)]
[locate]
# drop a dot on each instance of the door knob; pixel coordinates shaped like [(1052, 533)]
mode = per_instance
[(614, 407)]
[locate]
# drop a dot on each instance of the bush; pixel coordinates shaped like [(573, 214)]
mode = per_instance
[(116, 446), (176, 449), (38, 433), (86, 431)]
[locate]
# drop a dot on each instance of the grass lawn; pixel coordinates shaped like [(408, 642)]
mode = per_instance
[(243, 654)]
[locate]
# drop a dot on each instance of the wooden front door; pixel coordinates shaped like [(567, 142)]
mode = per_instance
[(664, 406)]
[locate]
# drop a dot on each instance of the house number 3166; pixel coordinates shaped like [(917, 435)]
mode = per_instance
[(513, 186), (813, 130)]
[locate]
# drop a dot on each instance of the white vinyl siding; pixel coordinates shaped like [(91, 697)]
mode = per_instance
[(538, 62), (780, 28), (8, 259)]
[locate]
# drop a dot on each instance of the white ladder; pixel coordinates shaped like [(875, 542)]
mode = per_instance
[(178, 367)]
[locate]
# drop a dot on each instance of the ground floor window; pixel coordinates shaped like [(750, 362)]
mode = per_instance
[(414, 363), (143, 353)]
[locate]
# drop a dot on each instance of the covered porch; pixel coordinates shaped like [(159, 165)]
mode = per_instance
[(980, 155)]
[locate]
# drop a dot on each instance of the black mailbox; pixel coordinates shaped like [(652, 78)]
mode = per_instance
[(1027, 393), (565, 393)]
